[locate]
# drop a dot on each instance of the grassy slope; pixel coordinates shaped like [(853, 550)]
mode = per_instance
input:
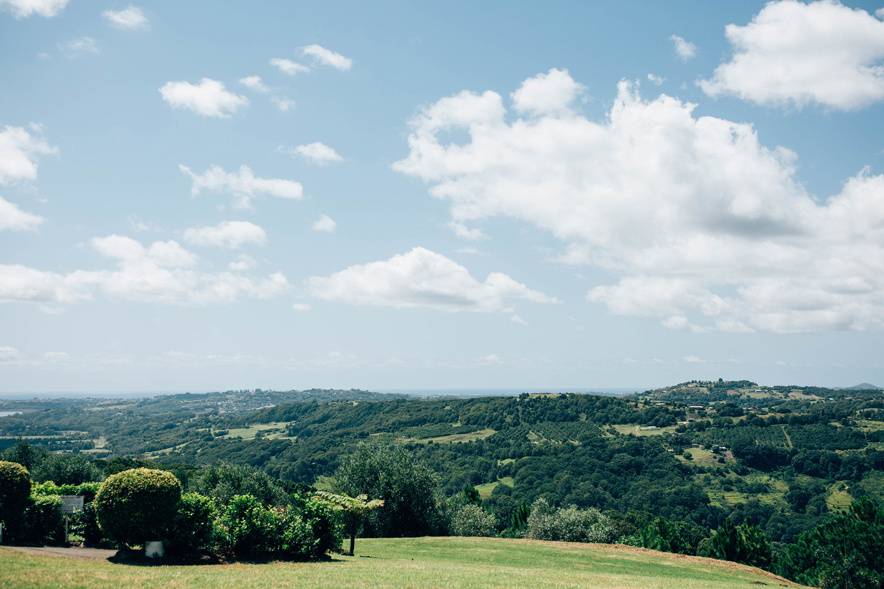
[(420, 562)]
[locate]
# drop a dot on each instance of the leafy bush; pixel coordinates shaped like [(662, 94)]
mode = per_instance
[(569, 524), (43, 522), (15, 487), (85, 524), (309, 530), (668, 536), (841, 553), (472, 520), (137, 505), (743, 543), (247, 529), (87, 490), (191, 529)]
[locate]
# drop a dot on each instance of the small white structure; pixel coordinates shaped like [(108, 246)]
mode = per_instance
[(154, 549)]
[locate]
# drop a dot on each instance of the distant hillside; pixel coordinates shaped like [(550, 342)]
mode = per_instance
[(863, 386)]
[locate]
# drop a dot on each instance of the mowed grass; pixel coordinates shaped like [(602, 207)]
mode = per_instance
[(454, 438), (407, 563), (485, 489), (275, 430), (639, 430)]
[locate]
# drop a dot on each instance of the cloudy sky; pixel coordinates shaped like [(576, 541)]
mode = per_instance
[(427, 195)]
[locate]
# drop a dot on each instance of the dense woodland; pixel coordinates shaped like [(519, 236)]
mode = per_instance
[(701, 455)]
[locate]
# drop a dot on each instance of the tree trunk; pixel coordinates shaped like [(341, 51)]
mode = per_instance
[(352, 541)]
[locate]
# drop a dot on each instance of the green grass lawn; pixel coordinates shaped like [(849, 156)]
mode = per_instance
[(401, 563)]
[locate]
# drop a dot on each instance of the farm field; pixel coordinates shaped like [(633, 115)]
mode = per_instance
[(411, 562)]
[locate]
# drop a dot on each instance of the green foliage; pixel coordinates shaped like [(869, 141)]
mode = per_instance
[(406, 485), (471, 520), (841, 553), (309, 529), (744, 543), (668, 536), (65, 469), (225, 481), (87, 490), (15, 487), (137, 505), (85, 524), (352, 510), (569, 524), (190, 531), (44, 523), (247, 529)]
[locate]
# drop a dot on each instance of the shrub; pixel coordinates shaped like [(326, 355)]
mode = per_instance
[(668, 536), (65, 469), (472, 520), (87, 490), (224, 481), (743, 543), (44, 522), (247, 529), (569, 524), (85, 524), (191, 529), (15, 487), (137, 505), (308, 530)]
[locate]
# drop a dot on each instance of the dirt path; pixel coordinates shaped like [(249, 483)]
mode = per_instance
[(74, 552)]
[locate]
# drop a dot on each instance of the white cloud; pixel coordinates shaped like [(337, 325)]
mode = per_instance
[(229, 234), (692, 359), (422, 279), (282, 103), (15, 219), (242, 263), (683, 48), (656, 80), (490, 360), (796, 53), (162, 272), (301, 307), (208, 98), (317, 153), (547, 93), (79, 46), (465, 232), (694, 216), (327, 57), (254, 83), (325, 224), (242, 184), (26, 8), (130, 18), (8, 355), (880, 13), (19, 150), (288, 67)]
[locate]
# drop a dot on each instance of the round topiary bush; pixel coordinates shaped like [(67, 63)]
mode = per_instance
[(137, 505), (15, 487)]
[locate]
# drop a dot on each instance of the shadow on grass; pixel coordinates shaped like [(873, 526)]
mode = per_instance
[(136, 558)]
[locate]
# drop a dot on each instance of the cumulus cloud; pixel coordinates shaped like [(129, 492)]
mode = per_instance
[(288, 67), (324, 56), (702, 225), (656, 80), (242, 263), (15, 219), (162, 272), (208, 98), (301, 307), (130, 18), (325, 224), (19, 150), (229, 234), (797, 53), (683, 48), (421, 278), (242, 184), (254, 83), (26, 8), (316, 153), (551, 92)]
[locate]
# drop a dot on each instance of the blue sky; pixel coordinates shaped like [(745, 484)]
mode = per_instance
[(439, 195)]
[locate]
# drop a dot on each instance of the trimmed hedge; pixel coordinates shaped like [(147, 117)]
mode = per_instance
[(192, 529), (87, 490), (15, 487), (137, 505), (44, 522)]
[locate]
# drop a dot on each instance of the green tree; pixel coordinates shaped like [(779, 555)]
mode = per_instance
[(408, 488), (354, 510), (743, 543)]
